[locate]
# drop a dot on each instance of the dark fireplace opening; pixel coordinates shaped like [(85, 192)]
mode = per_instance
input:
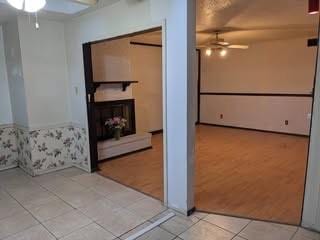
[(110, 109)]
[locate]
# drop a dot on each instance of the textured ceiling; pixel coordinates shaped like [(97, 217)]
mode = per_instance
[(247, 21)]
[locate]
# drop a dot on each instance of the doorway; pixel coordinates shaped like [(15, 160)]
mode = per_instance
[(255, 110), (127, 84)]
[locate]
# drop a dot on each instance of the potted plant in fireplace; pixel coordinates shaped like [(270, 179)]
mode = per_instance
[(116, 125)]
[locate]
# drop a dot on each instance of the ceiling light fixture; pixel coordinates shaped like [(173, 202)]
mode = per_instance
[(30, 6), (208, 52), (223, 52), (313, 6)]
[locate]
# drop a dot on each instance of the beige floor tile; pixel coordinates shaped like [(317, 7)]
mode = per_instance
[(200, 215), (9, 207), (65, 187), (90, 232), (81, 198), (99, 209), (304, 234), (206, 231), (231, 224), (238, 238), (120, 221), (37, 198), (71, 172), (90, 179), (37, 232), (157, 234), (257, 230), (50, 209), (67, 223), (24, 190), (126, 197), (147, 207), (47, 178), (109, 187), (178, 224), (16, 223)]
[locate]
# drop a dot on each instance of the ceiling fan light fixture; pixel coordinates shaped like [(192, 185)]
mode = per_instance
[(18, 4), (31, 6), (223, 52), (313, 7), (34, 5), (208, 52)]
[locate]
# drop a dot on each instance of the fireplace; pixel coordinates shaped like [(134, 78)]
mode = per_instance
[(110, 109)]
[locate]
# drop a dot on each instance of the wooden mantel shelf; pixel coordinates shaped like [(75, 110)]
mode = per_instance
[(124, 84)]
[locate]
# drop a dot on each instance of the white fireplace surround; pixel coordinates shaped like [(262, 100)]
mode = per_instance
[(112, 148)]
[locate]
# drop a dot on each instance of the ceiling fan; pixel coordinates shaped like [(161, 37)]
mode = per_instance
[(219, 44), (34, 6)]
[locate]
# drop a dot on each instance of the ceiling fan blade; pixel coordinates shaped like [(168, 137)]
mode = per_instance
[(238, 46), (85, 2)]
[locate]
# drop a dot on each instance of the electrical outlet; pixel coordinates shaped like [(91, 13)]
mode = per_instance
[(76, 90), (221, 116), (286, 122)]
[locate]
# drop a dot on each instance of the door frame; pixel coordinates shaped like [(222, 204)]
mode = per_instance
[(90, 98)]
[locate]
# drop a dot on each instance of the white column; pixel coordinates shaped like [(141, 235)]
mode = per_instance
[(180, 69), (311, 208)]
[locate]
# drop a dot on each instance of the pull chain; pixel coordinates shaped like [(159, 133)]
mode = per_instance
[(37, 23)]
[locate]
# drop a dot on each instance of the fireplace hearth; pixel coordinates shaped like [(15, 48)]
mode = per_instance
[(109, 109)]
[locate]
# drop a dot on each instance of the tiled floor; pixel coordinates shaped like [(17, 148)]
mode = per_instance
[(73, 205)]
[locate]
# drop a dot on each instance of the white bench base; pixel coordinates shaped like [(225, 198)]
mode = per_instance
[(112, 148)]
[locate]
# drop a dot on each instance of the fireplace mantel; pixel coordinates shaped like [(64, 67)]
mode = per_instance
[(124, 84)]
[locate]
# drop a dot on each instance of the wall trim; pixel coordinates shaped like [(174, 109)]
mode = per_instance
[(38, 173), (9, 125), (258, 94), (9, 167), (253, 129), (146, 44)]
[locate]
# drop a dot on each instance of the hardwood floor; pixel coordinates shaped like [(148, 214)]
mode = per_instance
[(237, 172)]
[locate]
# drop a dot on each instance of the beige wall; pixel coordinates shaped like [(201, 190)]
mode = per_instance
[(286, 66), (147, 70), (120, 61)]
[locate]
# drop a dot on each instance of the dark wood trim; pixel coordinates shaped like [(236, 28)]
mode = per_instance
[(156, 132), (199, 85), (259, 94), (90, 89), (311, 121), (252, 129), (313, 42), (191, 211), (146, 44), (124, 154), (127, 35)]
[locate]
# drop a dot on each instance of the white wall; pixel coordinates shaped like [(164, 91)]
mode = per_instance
[(15, 73), (266, 113), (131, 16), (285, 66), (45, 72), (5, 102)]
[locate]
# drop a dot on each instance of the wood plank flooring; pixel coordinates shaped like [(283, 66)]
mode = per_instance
[(237, 172)]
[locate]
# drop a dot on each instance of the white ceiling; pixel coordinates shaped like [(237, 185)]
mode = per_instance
[(54, 9), (240, 21)]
